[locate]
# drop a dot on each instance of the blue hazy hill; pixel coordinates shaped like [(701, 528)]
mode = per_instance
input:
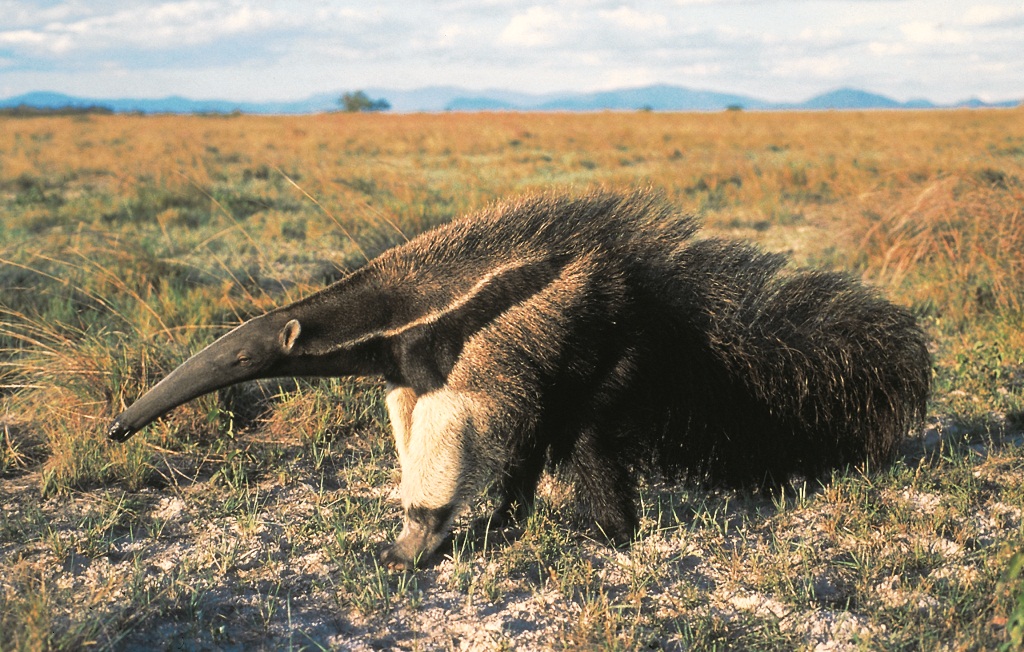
[(659, 97)]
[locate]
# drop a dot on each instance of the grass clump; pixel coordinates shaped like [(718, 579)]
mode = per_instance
[(1013, 586)]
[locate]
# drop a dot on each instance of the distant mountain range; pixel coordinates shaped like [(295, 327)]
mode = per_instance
[(452, 98)]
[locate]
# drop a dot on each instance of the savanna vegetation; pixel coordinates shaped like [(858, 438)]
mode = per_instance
[(253, 518)]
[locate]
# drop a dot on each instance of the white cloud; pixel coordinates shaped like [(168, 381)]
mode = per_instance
[(635, 20), (701, 70), (775, 49), (23, 37), (53, 44), (149, 27), (820, 35), (538, 26), (825, 68), (627, 77), (450, 35), (880, 49), (985, 15), (930, 33), (173, 24)]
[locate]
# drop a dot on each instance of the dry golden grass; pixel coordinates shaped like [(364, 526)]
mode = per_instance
[(126, 242)]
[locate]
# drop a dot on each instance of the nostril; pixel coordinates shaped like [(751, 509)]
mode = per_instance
[(118, 432)]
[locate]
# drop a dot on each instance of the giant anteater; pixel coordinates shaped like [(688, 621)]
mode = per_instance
[(594, 332)]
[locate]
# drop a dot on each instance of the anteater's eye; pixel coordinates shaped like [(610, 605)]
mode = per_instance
[(244, 359)]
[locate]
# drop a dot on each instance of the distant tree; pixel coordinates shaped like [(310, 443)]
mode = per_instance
[(734, 107), (28, 111), (359, 101)]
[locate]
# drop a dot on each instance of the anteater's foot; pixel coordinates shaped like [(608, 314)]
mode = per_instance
[(617, 521), (619, 538), (398, 557), (423, 531)]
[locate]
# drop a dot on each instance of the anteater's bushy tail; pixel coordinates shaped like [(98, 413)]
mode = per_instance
[(783, 373)]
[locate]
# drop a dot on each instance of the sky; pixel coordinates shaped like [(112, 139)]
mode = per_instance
[(245, 50)]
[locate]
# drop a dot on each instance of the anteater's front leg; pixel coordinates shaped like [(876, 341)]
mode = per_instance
[(438, 468)]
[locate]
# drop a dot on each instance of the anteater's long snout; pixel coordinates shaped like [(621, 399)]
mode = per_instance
[(213, 368), (120, 432), (183, 384)]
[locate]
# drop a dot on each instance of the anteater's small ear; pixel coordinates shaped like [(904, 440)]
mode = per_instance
[(289, 334)]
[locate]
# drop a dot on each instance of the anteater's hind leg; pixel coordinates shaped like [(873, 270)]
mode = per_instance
[(607, 486), (517, 490), (437, 468)]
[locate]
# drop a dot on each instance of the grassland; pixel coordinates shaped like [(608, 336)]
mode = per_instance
[(253, 518)]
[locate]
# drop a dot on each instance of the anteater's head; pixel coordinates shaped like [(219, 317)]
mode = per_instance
[(263, 347)]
